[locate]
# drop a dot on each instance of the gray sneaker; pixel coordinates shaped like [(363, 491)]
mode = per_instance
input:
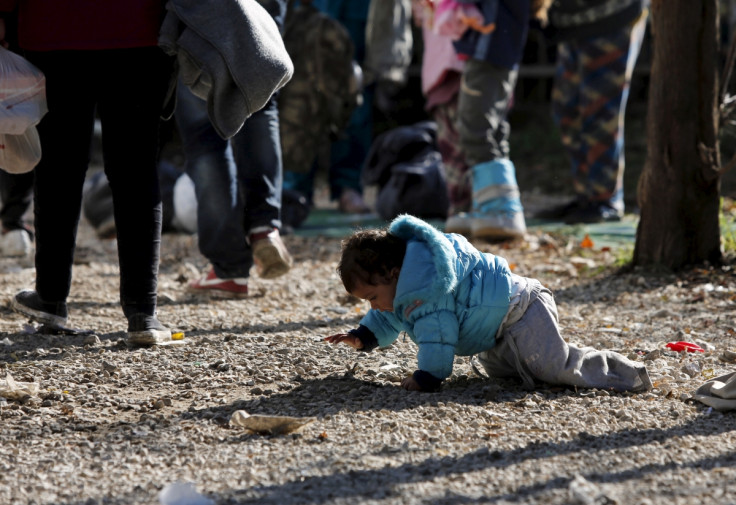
[(147, 330), (29, 304)]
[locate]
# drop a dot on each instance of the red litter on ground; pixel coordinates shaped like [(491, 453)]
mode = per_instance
[(684, 346)]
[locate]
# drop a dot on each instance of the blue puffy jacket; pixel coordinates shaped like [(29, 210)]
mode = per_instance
[(450, 298)]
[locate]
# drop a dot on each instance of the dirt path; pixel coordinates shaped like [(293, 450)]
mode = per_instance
[(115, 425)]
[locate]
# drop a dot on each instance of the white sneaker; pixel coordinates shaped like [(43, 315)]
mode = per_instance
[(15, 243), (498, 226), (460, 223)]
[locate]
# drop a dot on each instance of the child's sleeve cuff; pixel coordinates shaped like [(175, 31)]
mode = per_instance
[(427, 381), (366, 336)]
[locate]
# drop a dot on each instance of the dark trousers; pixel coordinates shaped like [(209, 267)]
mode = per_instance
[(126, 87), (16, 194)]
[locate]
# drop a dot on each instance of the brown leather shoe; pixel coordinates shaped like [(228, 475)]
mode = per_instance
[(269, 254)]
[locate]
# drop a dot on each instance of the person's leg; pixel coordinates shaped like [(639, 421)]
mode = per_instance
[(544, 355), (567, 111), (484, 101), (347, 156), (485, 97), (65, 132), (348, 153), (211, 166), (301, 183), (16, 195), (605, 66), (97, 205), (567, 115), (129, 109), (257, 152), (457, 171)]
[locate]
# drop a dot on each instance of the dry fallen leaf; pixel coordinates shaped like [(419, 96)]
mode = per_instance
[(269, 425), (586, 243)]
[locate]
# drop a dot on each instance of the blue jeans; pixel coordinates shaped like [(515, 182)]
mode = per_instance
[(237, 182)]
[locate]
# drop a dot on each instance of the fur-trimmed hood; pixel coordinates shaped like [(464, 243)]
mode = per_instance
[(434, 263)]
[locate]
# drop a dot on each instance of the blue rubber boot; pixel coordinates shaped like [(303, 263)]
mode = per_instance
[(497, 212)]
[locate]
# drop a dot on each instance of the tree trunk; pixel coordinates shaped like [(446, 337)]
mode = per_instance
[(680, 185)]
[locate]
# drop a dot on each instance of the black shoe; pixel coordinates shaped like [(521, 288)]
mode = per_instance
[(147, 330), (593, 212), (29, 304), (560, 212)]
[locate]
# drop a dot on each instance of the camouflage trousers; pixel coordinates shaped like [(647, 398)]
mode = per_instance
[(591, 87), (457, 170)]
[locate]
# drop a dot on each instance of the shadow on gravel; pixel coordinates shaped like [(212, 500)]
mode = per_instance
[(347, 393), (316, 327), (610, 287), (385, 483), (27, 345), (379, 483), (25, 342)]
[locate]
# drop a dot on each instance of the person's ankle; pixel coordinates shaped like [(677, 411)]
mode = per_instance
[(261, 232), (135, 309)]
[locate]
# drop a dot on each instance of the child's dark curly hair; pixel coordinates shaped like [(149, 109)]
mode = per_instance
[(368, 256)]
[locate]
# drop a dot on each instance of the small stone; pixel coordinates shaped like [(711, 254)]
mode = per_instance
[(91, 340), (692, 369)]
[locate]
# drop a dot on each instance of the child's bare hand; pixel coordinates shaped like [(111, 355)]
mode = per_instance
[(347, 338), (410, 384), (477, 24)]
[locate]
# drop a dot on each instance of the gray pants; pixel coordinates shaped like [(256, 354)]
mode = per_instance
[(485, 97), (531, 348)]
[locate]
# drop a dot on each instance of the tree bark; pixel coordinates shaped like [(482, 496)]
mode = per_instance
[(679, 189)]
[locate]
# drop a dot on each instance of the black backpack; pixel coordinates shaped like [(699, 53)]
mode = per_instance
[(407, 167)]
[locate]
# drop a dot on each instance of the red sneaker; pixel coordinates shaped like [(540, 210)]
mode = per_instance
[(210, 283), (269, 254)]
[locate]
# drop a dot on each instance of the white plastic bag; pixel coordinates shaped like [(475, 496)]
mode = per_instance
[(182, 493), (13, 390), (20, 153), (22, 93)]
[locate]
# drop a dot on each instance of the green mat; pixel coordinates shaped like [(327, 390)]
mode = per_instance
[(602, 234), (332, 223)]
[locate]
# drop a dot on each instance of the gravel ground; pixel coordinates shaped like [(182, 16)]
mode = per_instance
[(110, 424)]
